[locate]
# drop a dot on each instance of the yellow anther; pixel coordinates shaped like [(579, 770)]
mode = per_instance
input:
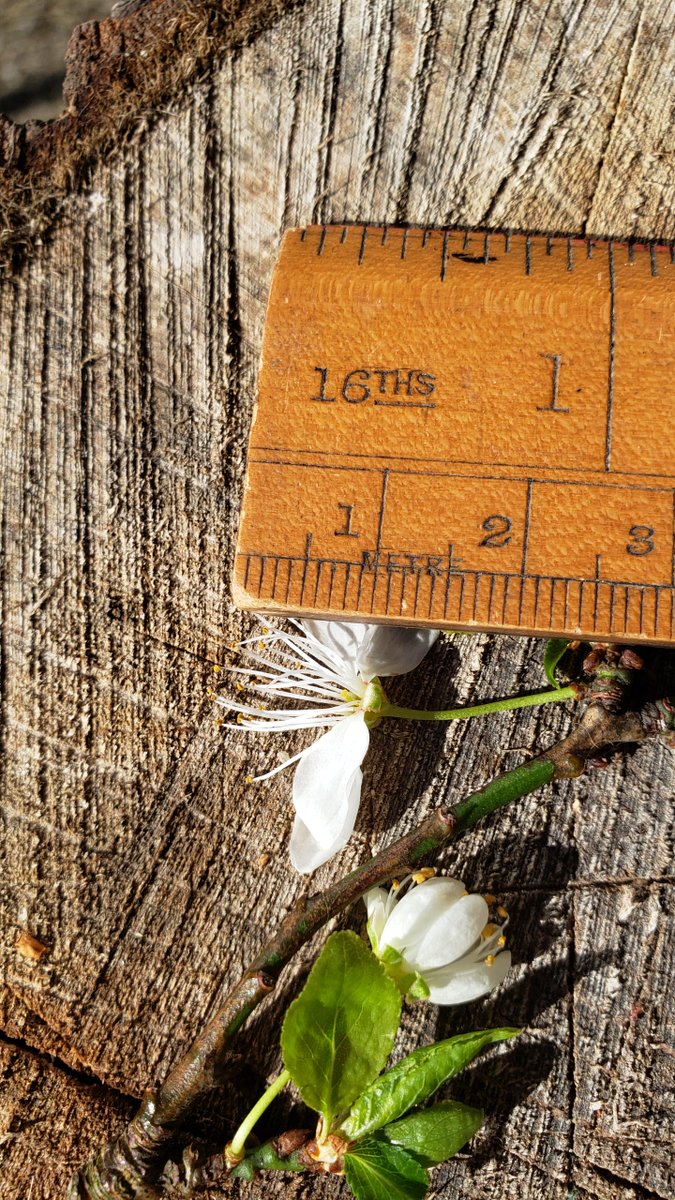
[(424, 874), (489, 930), (490, 960), (239, 686), (261, 645), (501, 941), (217, 668), (395, 884), (240, 719), (210, 693), (489, 899), (219, 723), (266, 629), (249, 779), (501, 911)]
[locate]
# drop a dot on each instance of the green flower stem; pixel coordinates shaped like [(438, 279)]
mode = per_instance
[(236, 1146), (550, 696)]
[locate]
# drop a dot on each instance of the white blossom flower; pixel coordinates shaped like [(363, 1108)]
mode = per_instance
[(333, 667), (436, 940)]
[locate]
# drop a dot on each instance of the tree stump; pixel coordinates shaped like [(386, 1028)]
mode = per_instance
[(141, 231)]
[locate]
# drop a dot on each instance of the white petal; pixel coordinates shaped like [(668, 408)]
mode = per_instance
[(447, 987), (414, 912), (341, 637), (450, 933), (376, 902), (326, 793), (387, 650)]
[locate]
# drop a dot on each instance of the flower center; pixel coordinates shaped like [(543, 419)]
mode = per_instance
[(374, 702)]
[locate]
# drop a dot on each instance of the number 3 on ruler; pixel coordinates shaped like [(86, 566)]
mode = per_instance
[(642, 540)]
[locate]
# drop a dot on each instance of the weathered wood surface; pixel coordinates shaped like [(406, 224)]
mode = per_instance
[(131, 839)]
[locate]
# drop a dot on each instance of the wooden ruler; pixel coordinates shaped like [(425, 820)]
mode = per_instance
[(466, 430)]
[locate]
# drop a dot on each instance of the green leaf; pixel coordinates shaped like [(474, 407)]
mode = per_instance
[(416, 1078), (378, 1171), (339, 1033), (555, 650), (436, 1133)]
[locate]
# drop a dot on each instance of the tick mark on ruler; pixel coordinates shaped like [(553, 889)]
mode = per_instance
[(444, 256), (362, 250)]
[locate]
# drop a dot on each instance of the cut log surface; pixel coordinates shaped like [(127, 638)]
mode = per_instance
[(132, 842)]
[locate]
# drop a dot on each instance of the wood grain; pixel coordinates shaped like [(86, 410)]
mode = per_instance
[(130, 340)]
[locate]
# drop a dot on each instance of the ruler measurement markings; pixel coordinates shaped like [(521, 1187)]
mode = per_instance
[(526, 540), (275, 576), (444, 256), (462, 585), (418, 581), (566, 618), (629, 588), (319, 569), (491, 593), (348, 571), (432, 593), (332, 583), (308, 551), (390, 584), (448, 583), (291, 565), (598, 580)]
